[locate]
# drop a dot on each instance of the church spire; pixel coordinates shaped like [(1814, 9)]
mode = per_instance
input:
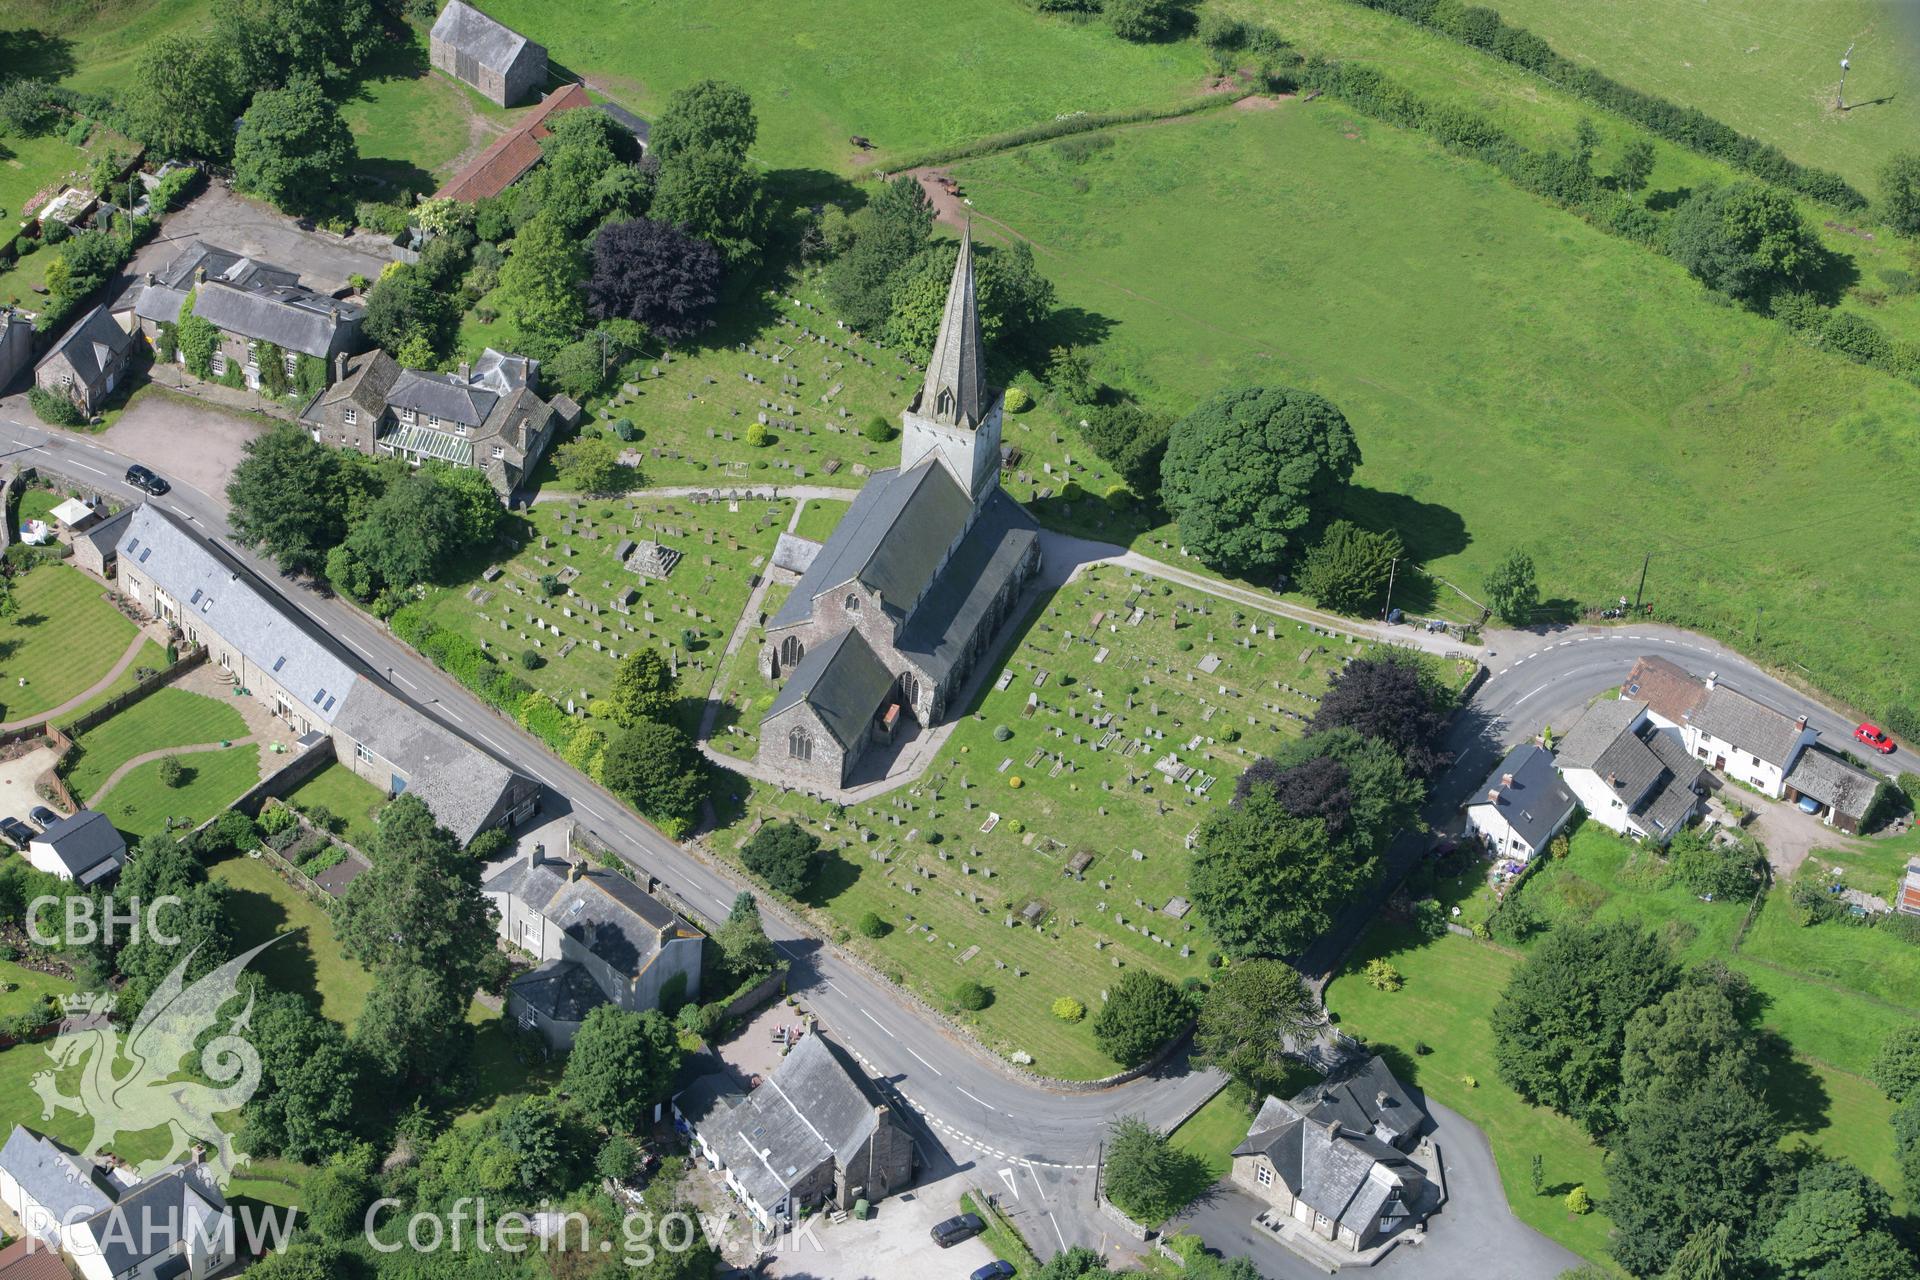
[(955, 391)]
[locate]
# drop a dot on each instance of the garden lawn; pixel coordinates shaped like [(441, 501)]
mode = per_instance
[(924, 859), (36, 504), (1493, 346), (1452, 986), (31, 988), (413, 125), (955, 72), (1770, 68), (309, 962), (152, 657), (347, 796), (140, 804), (64, 637), (166, 718)]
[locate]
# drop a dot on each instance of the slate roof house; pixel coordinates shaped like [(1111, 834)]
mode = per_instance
[(1745, 738), (298, 671), (172, 1226), (88, 361), (813, 1133), (600, 939), (1335, 1158), (1629, 773), (1843, 793), (912, 589), (255, 305), (1522, 805), (488, 416), (501, 63), (84, 848)]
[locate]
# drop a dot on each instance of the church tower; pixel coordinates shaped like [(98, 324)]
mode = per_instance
[(956, 416)]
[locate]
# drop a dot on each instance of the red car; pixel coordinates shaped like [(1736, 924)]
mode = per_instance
[(1874, 737)]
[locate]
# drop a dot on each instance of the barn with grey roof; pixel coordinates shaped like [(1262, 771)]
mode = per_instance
[(293, 667), (494, 59), (88, 362), (924, 569)]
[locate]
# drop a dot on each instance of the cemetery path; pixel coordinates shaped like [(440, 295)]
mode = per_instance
[(966, 1105)]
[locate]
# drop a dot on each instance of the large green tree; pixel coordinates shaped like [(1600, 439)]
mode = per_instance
[(1256, 1012), (1142, 1172), (1839, 1225), (1560, 1027), (308, 1073), (781, 853), (1251, 471), (708, 113), (413, 531), (644, 688), (278, 41), (1692, 1033), (1266, 882), (404, 305), (1900, 191), (1512, 591), (1011, 296), (888, 233), (745, 950), (707, 185), (621, 1063), (180, 98), (1359, 786), (1133, 441), (1684, 1162), (587, 175), (1896, 1067), (1142, 1012), (1394, 699), (1349, 568), (653, 767), (418, 920), (1744, 240), (293, 147), (540, 283)]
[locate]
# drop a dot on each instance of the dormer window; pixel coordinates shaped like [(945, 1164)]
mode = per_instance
[(944, 405)]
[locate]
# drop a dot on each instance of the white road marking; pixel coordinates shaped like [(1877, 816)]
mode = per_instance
[(1542, 689), (876, 1022), (723, 902), (75, 462), (1056, 1225), (982, 1101), (923, 1062), (1006, 1176)]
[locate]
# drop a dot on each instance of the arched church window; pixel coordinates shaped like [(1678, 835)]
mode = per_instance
[(800, 743), (945, 403), (853, 603), (791, 651)]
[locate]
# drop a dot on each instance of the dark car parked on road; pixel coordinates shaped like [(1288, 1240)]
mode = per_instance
[(141, 478)]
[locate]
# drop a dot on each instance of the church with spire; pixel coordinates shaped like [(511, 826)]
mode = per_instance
[(913, 589)]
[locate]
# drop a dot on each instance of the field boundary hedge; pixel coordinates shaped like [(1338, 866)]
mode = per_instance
[(1484, 29)]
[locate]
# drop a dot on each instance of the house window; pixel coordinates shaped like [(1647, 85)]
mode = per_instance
[(499, 452), (292, 363), (66, 380), (253, 356), (360, 752), (853, 604), (800, 743), (461, 427), (219, 364), (351, 418), (407, 416), (1263, 1175), (910, 689), (791, 651), (433, 422)]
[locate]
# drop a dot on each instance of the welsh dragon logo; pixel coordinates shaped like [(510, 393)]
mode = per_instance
[(136, 1082)]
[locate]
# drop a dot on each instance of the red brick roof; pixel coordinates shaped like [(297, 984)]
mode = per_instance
[(31, 1260), (514, 152)]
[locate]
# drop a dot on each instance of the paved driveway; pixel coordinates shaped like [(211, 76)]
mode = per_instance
[(1474, 1236), (894, 1244), (249, 227), (188, 443)]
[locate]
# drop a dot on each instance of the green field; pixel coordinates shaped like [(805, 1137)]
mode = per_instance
[(140, 804), (63, 638), (309, 961), (348, 797), (1769, 68), (1009, 815), (954, 72), (412, 124), (1493, 347), (166, 718)]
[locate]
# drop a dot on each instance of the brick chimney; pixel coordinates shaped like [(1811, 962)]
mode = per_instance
[(1506, 779), (1801, 722)]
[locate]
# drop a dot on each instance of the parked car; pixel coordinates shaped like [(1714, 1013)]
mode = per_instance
[(141, 478), (998, 1269), (1874, 736), (44, 816), (963, 1227), (19, 833)]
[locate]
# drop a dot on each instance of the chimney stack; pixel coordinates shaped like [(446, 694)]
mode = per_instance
[(149, 277), (466, 372), (1506, 779), (1713, 678), (340, 366), (574, 869), (1493, 795), (200, 275), (1802, 722), (533, 856)]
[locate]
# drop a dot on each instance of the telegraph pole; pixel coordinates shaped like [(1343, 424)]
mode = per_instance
[(1642, 588), (1846, 64), (1392, 565)]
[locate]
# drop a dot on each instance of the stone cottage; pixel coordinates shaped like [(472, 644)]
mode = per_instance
[(88, 362), (497, 61)]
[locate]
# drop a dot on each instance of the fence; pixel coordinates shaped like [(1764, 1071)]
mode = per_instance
[(120, 702), (286, 778)]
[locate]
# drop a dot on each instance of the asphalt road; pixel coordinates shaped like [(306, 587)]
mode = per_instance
[(1035, 1145)]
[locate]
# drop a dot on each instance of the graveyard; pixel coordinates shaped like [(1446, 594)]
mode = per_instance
[(786, 373), (587, 581), (1046, 848)]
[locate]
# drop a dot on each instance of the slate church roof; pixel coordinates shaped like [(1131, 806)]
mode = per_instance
[(844, 681), (954, 392)]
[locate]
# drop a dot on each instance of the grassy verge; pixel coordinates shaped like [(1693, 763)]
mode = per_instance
[(819, 518), (1001, 1237)]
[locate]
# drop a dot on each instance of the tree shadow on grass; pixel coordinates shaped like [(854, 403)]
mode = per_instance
[(833, 875), (289, 963), (1793, 1089), (41, 55), (1667, 201)]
